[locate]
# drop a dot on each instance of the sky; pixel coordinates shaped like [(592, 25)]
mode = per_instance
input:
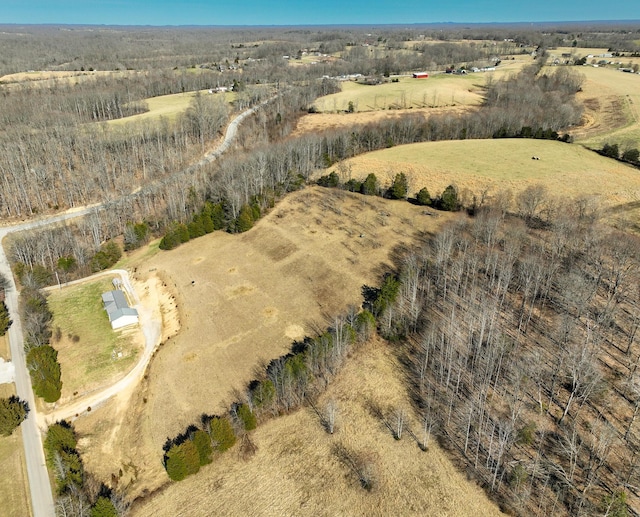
[(305, 12)]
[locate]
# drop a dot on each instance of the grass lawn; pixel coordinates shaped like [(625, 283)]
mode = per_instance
[(14, 497), (88, 349)]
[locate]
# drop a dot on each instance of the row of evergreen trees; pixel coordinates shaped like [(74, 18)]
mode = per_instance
[(399, 189), (286, 384), (42, 358)]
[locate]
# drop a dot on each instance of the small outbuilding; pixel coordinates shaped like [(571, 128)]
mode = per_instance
[(420, 75), (120, 314)]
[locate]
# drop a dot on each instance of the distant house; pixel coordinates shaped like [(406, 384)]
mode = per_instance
[(420, 75), (120, 314)]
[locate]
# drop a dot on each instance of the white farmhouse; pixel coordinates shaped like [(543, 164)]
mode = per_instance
[(120, 314)]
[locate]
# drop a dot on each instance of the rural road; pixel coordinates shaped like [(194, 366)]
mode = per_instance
[(41, 496)]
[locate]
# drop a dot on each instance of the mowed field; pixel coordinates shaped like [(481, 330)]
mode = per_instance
[(494, 165), (90, 352), (166, 106), (297, 469), (243, 299), (14, 495), (611, 99)]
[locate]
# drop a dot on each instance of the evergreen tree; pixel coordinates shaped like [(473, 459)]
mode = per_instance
[(449, 199), (13, 411), (247, 417), (221, 432), (5, 320), (103, 508), (423, 197), (45, 372), (203, 443), (399, 187), (370, 185), (244, 221)]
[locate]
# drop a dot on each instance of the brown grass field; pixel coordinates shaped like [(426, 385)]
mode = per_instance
[(612, 108), (494, 165), (14, 495), (242, 300), (88, 349), (296, 470)]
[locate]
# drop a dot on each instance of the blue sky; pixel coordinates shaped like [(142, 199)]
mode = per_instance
[(296, 12)]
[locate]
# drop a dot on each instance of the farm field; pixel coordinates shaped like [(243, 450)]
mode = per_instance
[(297, 470), (612, 108), (439, 90), (165, 106), (90, 353), (14, 496), (301, 265), (493, 165)]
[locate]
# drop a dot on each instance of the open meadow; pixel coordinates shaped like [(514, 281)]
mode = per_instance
[(91, 354), (489, 166)]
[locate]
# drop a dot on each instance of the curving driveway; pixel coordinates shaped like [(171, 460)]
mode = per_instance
[(41, 496)]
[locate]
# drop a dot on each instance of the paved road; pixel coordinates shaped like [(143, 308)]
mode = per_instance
[(41, 496)]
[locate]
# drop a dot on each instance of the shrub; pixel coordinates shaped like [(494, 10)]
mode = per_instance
[(370, 185), (449, 199), (103, 507), (631, 155), (399, 187)]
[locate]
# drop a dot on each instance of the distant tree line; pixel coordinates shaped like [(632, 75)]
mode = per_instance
[(630, 155)]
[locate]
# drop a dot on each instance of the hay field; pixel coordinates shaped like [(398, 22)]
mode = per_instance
[(479, 165), (612, 108), (296, 470), (90, 352), (252, 295), (437, 91), (14, 494), (166, 106)]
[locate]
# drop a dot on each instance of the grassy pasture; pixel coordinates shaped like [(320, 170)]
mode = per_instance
[(296, 470), (479, 165), (88, 347), (166, 106), (252, 295), (612, 108), (436, 91), (14, 495)]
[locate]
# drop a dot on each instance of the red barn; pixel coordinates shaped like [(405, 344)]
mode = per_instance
[(420, 75)]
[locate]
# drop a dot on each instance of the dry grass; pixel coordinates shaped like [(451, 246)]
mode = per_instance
[(252, 295), (299, 469), (14, 496), (493, 165), (88, 349), (612, 108)]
